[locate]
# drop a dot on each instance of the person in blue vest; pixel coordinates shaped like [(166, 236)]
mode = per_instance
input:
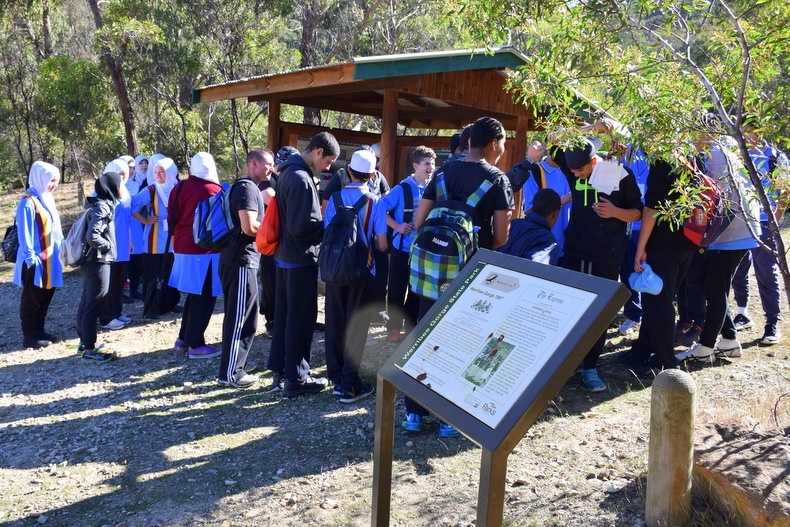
[(636, 160), (773, 167), (348, 307), (402, 200)]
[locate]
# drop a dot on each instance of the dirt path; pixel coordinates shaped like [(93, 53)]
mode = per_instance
[(150, 440)]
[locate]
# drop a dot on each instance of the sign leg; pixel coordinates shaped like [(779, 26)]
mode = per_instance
[(491, 496), (382, 452)]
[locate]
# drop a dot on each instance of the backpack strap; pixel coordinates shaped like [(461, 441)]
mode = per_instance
[(542, 176), (408, 201), (408, 206), (441, 188), (478, 194)]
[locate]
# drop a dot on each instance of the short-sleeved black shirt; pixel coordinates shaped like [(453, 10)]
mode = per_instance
[(462, 178), (242, 252)]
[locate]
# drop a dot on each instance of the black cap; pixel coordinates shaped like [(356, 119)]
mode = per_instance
[(283, 154), (579, 156)]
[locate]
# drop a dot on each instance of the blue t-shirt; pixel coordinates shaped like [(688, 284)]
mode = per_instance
[(395, 201)]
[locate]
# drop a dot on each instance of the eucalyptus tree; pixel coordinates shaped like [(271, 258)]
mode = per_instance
[(655, 65)]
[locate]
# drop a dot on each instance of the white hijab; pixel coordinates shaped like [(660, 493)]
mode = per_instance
[(203, 166), (171, 170), (41, 174), (151, 165)]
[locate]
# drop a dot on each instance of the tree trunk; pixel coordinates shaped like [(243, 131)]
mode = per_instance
[(311, 21), (119, 84), (46, 29)]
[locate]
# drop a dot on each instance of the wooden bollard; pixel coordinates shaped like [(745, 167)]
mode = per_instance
[(671, 450)]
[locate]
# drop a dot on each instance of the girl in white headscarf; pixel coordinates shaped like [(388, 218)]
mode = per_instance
[(195, 271), (137, 182), (158, 253), (38, 269)]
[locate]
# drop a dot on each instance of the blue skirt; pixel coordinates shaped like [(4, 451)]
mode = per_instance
[(190, 273)]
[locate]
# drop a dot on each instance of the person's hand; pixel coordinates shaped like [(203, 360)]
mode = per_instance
[(535, 151), (150, 220), (404, 228), (604, 208), (639, 259)]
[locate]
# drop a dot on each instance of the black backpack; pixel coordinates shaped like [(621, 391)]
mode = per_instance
[(343, 258)]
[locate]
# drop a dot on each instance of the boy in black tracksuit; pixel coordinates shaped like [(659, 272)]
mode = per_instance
[(596, 234)]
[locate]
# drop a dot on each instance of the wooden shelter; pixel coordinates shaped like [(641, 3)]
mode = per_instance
[(440, 91)]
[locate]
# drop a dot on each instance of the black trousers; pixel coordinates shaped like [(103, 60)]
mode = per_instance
[(112, 307), (656, 334), (135, 271), (295, 310), (718, 270), (402, 304), (197, 314), (96, 281), (268, 273), (240, 291), (34, 304), (348, 311), (611, 272)]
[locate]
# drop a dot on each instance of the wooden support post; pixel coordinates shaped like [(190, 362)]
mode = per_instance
[(491, 494), (273, 141), (389, 132), (382, 452), (671, 450)]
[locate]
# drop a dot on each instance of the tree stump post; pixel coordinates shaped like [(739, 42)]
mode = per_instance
[(671, 450)]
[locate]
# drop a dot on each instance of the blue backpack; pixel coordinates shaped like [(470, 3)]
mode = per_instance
[(213, 227)]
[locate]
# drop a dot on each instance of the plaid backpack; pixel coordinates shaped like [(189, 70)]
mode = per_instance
[(444, 242)]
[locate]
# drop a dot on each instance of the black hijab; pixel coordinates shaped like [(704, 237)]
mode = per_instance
[(108, 186)]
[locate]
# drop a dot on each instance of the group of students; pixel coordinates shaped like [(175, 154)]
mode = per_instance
[(127, 240), (580, 212)]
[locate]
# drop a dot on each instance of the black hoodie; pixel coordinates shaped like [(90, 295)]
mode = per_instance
[(302, 224), (101, 213)]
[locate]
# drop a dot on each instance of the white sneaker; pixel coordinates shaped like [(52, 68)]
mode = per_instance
[(114, 324), (697, 353), (124, 319), (728, 348), (628, 326)]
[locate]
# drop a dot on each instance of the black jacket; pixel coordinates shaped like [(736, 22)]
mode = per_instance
[(100, 231), (302, 224), (588, 236)]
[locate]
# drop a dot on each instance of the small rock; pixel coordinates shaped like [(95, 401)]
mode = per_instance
[(330, 504), (42, 519), (409, 444), (230, 482)]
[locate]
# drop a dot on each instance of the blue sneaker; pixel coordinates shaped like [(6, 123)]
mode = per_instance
[(446, 430), (592, 382), (412, 423)]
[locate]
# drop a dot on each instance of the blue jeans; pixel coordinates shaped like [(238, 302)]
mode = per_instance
[(766, 271)]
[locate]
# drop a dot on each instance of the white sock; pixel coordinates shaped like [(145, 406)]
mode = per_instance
[(743, 310)]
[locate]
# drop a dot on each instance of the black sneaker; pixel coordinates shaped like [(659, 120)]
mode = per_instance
[(97, 357), (278, 383), (308, 386), (48, 336), (771, 335), (337, 388), (690, 337), (35, 342), (742, 322), (353, 394)]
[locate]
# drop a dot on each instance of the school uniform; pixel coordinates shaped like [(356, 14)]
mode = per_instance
[(347, 318)]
